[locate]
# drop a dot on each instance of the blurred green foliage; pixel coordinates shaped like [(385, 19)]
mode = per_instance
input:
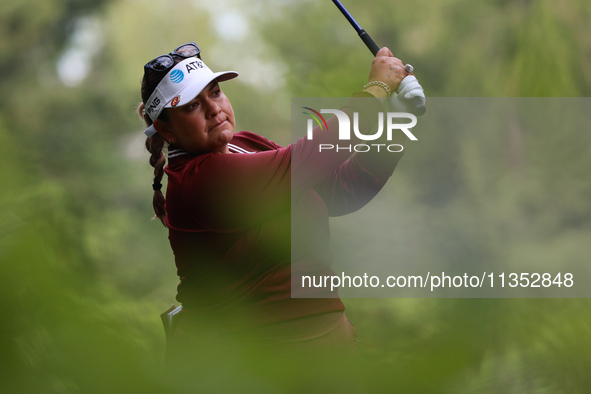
[(84, 273)]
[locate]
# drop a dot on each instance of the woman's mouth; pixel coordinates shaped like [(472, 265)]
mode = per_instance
[(222, 123)]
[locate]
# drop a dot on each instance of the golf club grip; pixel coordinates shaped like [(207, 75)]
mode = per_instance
[(371, 45), (417, 105)]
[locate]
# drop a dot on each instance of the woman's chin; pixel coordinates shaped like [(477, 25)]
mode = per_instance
[(222, 141), (226, 135)]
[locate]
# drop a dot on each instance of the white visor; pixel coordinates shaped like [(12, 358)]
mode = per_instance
[(181, 85)]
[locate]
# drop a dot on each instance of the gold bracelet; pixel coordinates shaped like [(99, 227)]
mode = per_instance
[(381, 84)]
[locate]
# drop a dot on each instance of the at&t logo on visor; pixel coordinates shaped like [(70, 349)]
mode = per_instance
[(177, 76)]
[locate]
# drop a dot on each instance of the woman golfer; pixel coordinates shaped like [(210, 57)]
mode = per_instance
[(229, 205)]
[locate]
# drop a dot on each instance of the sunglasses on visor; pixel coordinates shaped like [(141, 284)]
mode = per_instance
[(165, 62)]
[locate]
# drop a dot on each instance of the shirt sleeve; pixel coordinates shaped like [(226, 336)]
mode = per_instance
[(356, 182)]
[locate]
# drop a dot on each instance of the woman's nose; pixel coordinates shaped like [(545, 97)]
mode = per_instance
[(212, 108)]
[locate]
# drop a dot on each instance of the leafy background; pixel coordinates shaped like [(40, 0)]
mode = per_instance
[(84, 272)]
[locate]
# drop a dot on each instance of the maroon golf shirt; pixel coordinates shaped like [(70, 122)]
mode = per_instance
[(239, 222)]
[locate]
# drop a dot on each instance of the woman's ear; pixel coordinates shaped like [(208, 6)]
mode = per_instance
[(164, 130)]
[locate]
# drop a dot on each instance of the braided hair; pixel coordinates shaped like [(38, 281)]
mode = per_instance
[(155, 144)]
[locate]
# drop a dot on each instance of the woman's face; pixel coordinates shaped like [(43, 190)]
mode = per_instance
[(204, 125)]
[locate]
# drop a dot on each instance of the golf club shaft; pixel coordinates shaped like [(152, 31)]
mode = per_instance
[(366, 38), (416, 104)]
